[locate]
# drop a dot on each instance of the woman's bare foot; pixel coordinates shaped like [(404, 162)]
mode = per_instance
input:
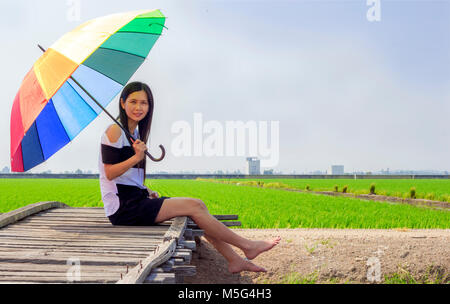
[(259, 247), (244, 265)]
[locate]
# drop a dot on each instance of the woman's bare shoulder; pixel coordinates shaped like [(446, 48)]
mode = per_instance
[(114, 132)]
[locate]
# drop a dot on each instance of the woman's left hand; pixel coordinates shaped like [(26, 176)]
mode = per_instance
[(153, 194)]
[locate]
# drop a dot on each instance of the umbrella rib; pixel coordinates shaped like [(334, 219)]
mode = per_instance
[(128, 53), (136, 32), (39, 141), (76, 92)]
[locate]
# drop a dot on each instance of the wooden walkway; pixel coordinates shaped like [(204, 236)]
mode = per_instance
[(50, 242)]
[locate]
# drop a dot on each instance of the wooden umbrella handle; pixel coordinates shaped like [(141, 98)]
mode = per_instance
[(163, 154)]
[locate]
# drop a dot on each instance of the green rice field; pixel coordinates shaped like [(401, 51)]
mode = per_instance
[(256, 207), (433, 189)]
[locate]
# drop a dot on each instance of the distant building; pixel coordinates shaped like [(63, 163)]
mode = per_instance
[(336, 170), (253, 167), (268, 172), (6, 170)]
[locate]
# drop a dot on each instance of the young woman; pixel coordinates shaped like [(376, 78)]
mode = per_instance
[(127, 201)]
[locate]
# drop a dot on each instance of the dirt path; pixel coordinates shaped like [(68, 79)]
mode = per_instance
[(384, 198), (334, 255)]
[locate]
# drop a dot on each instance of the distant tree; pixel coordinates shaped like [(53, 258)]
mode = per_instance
[(78, 171)]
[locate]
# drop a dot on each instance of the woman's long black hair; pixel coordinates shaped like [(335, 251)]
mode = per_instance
[(145, 124)]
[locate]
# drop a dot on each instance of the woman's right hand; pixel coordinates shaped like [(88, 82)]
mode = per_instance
[(139, 148)]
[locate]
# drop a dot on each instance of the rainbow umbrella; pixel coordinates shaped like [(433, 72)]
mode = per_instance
[(75, 79)]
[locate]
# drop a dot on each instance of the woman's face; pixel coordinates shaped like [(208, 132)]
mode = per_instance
[(136, 106)]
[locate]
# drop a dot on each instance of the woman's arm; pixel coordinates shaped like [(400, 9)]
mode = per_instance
[(116, 170), (113, 171)]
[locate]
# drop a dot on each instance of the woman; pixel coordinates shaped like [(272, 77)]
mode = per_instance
[(127, 201)]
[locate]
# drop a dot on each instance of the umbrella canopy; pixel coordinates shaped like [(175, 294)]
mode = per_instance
[(101, 55)]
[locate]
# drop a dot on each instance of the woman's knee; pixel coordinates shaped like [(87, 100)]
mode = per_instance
[(198, 206)]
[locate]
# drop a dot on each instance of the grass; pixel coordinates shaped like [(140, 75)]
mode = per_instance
[(433, 275), (297, 278), (274, 208), (433, 189), (401, 277), (16, 193), (256, 207)]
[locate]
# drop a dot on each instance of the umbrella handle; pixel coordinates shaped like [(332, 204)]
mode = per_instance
[(157, 159)]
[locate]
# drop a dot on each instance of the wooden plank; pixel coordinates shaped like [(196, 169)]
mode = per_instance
[(67, 216), (19, 267), (226, 223), (85, 238), (188, 234), (81, 218), (34, 219), (83, 227), (90, 210), (42, 257), (160, 278), (59, 274), (185, 270), (81, 245), (176, 230), (5, 242), (107, 228), (179, 261), (182, 270), (140, 272), (189, 245), (62, 225), (83, 248), (197, 233), (44, 253), (79, 241), (184, 254), (58, 234), (18, 214), (88, 252), (71, 225), (161, 255), (222, 217), (55, 280), (99, 231)]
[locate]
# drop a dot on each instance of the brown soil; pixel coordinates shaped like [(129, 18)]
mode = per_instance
[(334, 256), (384, 198)]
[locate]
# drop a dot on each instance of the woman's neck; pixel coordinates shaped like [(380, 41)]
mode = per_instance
[(132, 126)]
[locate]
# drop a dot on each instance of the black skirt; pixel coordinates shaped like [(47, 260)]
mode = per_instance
[(136, 208)]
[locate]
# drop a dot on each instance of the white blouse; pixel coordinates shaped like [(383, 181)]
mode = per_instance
[(112, 153)]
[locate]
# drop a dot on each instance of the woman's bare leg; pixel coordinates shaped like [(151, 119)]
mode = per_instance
[(196, 209), (235, 262)]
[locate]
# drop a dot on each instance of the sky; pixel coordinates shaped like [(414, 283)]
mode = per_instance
[(343, 90)]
